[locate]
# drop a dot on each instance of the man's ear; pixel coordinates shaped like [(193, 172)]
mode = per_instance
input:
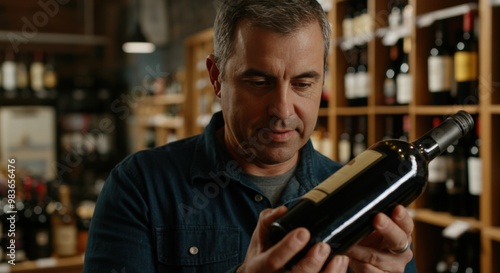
[(213, 72)]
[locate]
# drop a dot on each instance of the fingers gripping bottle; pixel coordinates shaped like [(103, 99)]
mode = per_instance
[(339, 211)]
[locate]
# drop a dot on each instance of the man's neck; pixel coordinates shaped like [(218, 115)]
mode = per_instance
[(256, 167)]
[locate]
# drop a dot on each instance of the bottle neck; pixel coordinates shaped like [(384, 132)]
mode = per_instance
[(468, 23), (435, 141)]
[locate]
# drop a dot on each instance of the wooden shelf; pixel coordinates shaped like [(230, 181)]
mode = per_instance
[(351, 111), (493, 233), (443, 219), (447, 109), (168, 99), (391, 110)]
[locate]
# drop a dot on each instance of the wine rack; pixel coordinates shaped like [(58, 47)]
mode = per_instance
[(429, 225)]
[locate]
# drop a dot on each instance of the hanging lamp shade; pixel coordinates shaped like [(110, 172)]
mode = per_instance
[(137, 42)]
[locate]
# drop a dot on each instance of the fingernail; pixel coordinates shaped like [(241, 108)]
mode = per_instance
[(302, 236), (324, 250), (343, 261)]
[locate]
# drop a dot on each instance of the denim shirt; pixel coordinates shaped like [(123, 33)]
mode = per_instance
[(185, 207)]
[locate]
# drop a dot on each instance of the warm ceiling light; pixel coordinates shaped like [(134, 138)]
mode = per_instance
[(137, 42)]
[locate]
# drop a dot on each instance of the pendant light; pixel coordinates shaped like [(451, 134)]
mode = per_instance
[(137, 42)]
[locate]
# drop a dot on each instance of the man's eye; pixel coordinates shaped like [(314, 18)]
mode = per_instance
[(302, 84), (259, 83)]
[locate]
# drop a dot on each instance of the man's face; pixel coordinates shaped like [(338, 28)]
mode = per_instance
[(271, 92)]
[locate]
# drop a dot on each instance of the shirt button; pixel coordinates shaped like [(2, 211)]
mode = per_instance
[(258, 198), (193, 250)]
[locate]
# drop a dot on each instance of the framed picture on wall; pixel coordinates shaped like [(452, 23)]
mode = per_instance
[(28, 135)]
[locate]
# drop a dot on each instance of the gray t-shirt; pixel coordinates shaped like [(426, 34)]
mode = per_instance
[(272, 186)]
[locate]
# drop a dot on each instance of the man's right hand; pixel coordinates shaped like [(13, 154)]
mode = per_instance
[(263, 257)]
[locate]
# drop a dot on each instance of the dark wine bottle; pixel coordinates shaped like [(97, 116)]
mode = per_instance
[(362, 82), (457, 184), (39, 235), (359, 140), (474, 172), (440, 67), (436, 193), (391, 73), (340, 210), (404, 79), (466, 63), (345, 143), (350, 76)]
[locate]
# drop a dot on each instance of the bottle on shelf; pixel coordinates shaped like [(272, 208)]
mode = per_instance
[(359, 141), (362, 79), (22, 77), (39, 236), (466, 64), (344, 144), (84, 213), (388, 127), (348, 21), (362, 20), (405, 128), (9, 74), (64, 225), (404, 79), (389, 172), (395, 18), (37, 70), (436, 194), (350, 76), (50, 76), (474, 171), (440, 68), (456, 184), (447, 258), (391, 73)]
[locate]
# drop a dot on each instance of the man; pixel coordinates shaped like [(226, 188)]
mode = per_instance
[(204, 204)]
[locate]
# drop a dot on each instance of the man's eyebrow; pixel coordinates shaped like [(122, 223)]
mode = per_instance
[(308, 74), (252, 72)]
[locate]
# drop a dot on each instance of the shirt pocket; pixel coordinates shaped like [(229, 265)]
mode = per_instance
[(217, 247)]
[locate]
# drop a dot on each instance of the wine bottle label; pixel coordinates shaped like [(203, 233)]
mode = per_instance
[(344, 151), (65, 240), (9, 75), (349, 85), (22, 77), (37, 70), (362, 83), (343, 175), (347, 27), (389, 89), (438, 170), (404, 88), (440, 73), (42, 238), (474, 166), (465, 66), (50, 79)]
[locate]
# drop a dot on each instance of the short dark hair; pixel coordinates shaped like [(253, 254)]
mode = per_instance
[(282, 16)]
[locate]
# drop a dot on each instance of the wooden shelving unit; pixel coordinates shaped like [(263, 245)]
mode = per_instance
[(152, 113), (201, 100), (429, 224)]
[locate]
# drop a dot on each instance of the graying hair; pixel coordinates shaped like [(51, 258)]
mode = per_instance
[(282, 16)]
